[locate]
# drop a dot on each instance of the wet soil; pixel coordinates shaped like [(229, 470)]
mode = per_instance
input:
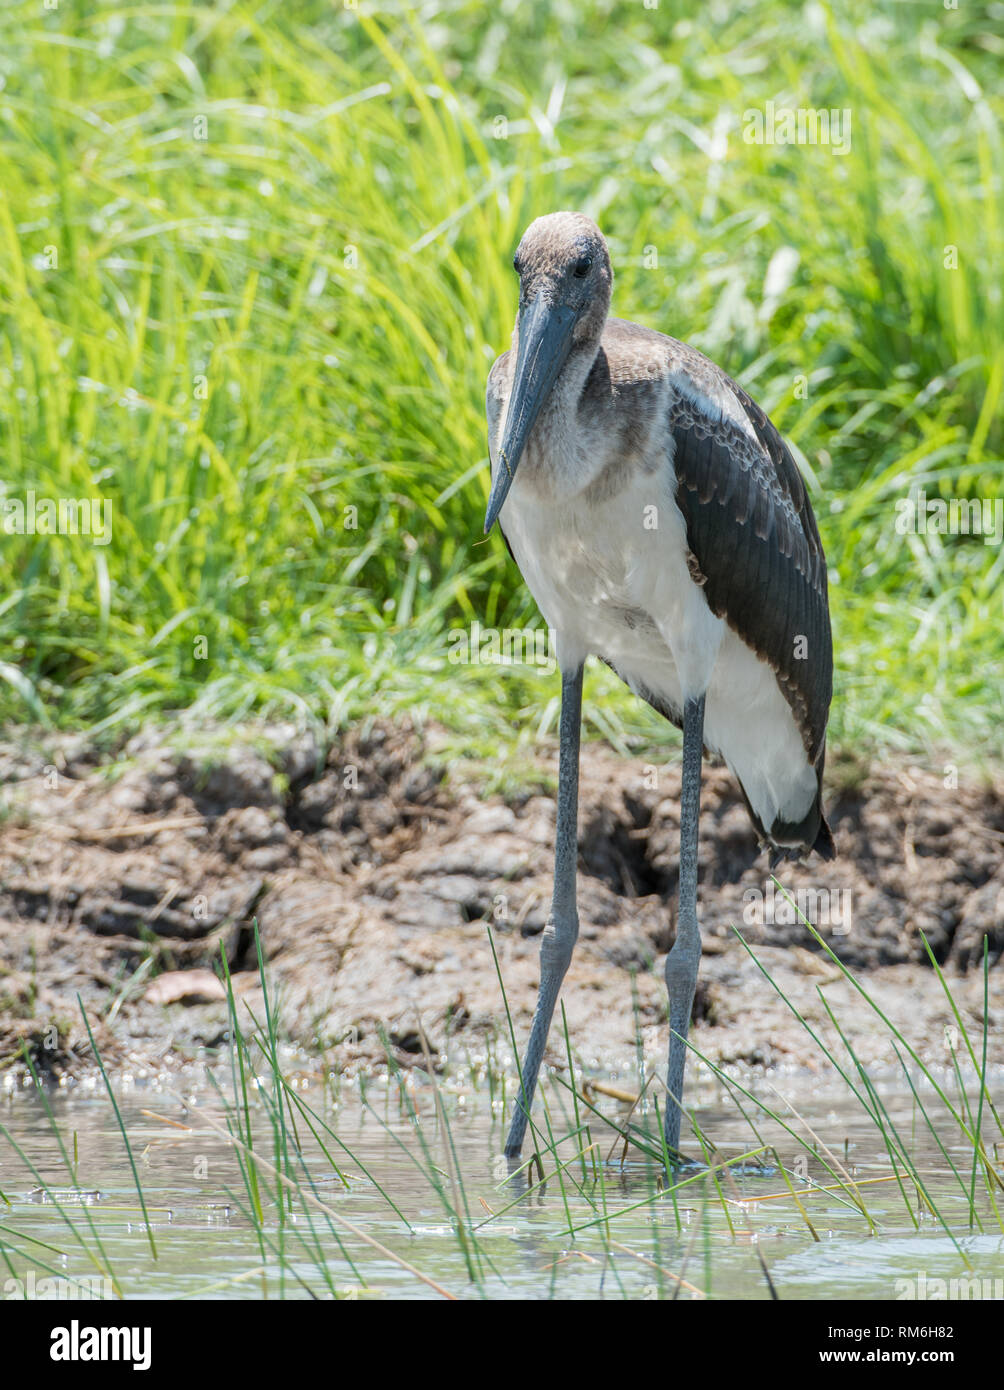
[(377, 873)]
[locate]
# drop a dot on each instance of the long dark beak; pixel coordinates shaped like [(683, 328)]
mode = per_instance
[(545, 340)]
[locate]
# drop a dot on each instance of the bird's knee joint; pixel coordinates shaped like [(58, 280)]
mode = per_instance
[(683, 961), (557, 944)]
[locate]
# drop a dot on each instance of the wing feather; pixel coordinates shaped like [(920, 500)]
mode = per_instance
[(753, 536)]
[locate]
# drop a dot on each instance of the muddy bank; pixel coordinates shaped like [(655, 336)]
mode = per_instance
[(375, 870)]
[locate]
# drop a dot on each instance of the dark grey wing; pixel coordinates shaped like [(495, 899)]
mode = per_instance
[(756, 546)]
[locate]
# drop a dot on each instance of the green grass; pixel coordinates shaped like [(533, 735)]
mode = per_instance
[(267, 348)]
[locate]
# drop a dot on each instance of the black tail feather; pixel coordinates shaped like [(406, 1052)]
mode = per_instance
[(786, 843), (824, 845)]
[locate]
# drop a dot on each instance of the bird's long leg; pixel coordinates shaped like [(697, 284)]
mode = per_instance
[(685, 957), (562, 930)]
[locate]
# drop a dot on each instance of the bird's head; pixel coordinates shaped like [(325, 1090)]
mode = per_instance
[(564, 294), (562, 261)]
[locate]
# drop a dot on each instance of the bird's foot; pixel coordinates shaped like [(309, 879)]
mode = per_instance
[(679, 1163)]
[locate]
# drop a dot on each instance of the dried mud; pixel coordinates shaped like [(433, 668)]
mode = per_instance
[(374, 871)]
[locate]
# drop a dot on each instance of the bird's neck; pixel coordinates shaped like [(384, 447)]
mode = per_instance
[(562, 407), (556, 465)]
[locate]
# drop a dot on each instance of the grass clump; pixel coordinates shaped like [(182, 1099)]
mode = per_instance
[(256, 265)]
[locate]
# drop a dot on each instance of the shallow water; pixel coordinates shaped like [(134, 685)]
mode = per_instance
[(207, 1245)]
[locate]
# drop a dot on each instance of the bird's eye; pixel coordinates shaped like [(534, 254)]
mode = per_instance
[(517, 267), (582, 267)]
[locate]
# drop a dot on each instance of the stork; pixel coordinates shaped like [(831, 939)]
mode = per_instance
[(661, 524)]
